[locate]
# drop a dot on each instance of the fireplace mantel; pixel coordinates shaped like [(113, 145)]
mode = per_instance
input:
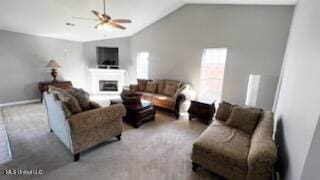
[(98, 75)]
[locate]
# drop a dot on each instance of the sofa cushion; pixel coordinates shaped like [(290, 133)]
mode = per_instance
[(142, 83), (163, 101), (243, 119), (151, 87), (66, 98), (224, 111), (222, 145), (170, 90), (82, 97), (177, 84), (160, 86)]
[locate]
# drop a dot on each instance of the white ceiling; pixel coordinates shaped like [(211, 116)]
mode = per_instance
[(48, 17)]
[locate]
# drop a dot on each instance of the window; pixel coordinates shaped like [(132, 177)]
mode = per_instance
[(143, 65), (212, 73)]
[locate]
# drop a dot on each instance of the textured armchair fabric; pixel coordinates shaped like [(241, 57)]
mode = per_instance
[(263, 151), (235, 154), (86, 129)]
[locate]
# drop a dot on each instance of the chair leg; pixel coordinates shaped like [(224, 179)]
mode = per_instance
[(76, 157), (195, 166), (118, 137)]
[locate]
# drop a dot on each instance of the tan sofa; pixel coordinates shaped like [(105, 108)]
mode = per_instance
[(168, 94), (86, 129), (235, 154)]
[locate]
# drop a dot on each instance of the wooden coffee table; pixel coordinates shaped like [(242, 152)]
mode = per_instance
[(139, 113)]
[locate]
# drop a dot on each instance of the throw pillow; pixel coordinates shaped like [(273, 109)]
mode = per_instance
[(66, 110), (173, 83), (82, 97), (169, 90), (161, 86), (151, 87), (66, 98), (243, 119), (94, 105), (142, 83), (224, 111)]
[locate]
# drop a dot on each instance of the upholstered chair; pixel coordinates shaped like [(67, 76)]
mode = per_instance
[(83, 130)]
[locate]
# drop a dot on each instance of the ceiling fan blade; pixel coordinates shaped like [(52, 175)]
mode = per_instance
[(101, 18), (83, 18), (121, 20), (106, 16), (117, 25)]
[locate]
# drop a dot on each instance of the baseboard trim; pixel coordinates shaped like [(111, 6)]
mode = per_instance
[(19, 102)]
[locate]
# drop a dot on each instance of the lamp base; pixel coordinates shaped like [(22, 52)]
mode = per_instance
[(54, 74)]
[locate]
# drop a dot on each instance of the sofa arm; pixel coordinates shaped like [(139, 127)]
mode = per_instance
[(95, 118), (133, 87), (262, 156), (184, 96), (185, 92)]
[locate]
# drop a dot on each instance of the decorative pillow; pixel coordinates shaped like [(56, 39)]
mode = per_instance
[(66, 98), (224, 111), (173, 83), (243, 119), (93, 105), (161, 86), (142, 83), (169, 90), (151, 87), (82, 97), (66, 110)]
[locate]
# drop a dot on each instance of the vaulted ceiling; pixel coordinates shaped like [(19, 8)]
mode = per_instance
[(49, 17)]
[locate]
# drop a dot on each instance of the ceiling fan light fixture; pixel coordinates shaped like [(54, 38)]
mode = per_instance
[(105, 22), (104, 27)]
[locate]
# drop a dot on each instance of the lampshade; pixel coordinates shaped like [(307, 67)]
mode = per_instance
[(53, 64), (253, 90)]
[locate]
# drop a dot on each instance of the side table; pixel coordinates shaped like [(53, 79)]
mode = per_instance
[(201, 110), (43, 86)]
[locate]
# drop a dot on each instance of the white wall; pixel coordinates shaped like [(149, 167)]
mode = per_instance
[(255, 36), (23, 59), (298, 106)]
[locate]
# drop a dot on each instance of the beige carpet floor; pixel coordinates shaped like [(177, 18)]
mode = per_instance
[(158, 150)]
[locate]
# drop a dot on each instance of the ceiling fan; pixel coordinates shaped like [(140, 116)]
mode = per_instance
[(105, 21)]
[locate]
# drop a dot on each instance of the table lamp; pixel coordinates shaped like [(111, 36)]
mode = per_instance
[(53, 65)]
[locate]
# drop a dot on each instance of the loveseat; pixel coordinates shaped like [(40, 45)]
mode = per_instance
[(234, 153), (168, 94), (80, 123)]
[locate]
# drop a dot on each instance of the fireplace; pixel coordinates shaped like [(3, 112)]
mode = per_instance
[(107, 81), (108, 85)]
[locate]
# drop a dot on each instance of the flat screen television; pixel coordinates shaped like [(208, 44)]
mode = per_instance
[(108, 57)]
